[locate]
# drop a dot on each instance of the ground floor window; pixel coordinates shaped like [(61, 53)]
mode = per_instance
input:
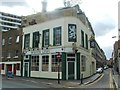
[(2, 66), (55, 62), (45, 63), (35, 63), (18, 66)]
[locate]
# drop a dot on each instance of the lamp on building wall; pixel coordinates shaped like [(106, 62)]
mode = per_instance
[(74, 47)]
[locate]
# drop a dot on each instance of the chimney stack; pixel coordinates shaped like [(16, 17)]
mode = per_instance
[(44, 6)]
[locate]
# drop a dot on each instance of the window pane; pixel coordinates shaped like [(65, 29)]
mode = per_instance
[(27, 41), (3, 41), (57, 36), (72, 33), (35, 63), (36, 39), (45, 63), (55, 64), (46, 38), (17, 39), (10, 40)]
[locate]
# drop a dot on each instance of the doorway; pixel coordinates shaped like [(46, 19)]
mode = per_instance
[(71, 70), (15, 69), (71, 67), (26, 69)]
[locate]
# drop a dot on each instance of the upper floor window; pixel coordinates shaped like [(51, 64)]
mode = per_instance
[(10, 40), (16, 53), (3, 41), (17, 39), (36, 39), (45, 41), (82, 38), (27, 41), (86, 40), (57, 36), (72, 37)]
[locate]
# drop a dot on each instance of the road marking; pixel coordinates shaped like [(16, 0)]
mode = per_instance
[(96, 80), (111, 81)]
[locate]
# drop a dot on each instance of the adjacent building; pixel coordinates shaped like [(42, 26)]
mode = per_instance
[(116, 56), (11, 52), (9, 21)]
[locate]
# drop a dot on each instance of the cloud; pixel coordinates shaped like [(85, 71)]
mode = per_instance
[(104, 26), (107, 40), (12, 3)]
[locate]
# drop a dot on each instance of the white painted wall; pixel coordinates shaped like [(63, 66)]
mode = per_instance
[(63, 22), (40, 74), (56, 23)]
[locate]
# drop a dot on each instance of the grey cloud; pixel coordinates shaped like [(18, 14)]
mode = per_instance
[(11, 3), (103, 27)]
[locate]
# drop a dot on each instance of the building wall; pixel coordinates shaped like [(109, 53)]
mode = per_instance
[(60, 22), (4, 71), (12, 52), (9, 21), (0, 51), (67, 46)]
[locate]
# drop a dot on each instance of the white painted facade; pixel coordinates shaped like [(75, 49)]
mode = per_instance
[(65, 47)]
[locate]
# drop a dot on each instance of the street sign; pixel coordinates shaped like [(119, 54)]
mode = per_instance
[(58, 55)]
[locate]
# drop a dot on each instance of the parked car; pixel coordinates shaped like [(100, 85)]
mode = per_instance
[(105, 67), (99, 70)]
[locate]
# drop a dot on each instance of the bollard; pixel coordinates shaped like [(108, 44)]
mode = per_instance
[(82, 78)]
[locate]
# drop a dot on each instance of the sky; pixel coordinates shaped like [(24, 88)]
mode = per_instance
[(103, 15)]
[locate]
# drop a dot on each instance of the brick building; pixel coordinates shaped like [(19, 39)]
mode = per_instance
[(11, 51)]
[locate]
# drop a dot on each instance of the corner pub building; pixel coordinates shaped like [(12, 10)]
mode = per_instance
[(67, 31)]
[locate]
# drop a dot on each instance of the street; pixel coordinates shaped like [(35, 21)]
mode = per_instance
[(19, 83), (103, 82)]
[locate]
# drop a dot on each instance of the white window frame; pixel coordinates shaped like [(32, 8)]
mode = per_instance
[(17, 39), (3, 41)]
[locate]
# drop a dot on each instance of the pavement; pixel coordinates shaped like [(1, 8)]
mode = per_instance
[(116, 79), (63, 83)]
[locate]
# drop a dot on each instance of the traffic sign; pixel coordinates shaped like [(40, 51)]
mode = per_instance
[(58, 55)]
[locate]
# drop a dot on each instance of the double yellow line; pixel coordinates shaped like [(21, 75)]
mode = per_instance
[(111, 81), (96, 80)]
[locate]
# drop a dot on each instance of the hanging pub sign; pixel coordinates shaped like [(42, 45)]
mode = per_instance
[(72, 33), (92, 43)]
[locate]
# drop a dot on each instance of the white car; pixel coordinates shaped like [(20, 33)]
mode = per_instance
[(99, 70)]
